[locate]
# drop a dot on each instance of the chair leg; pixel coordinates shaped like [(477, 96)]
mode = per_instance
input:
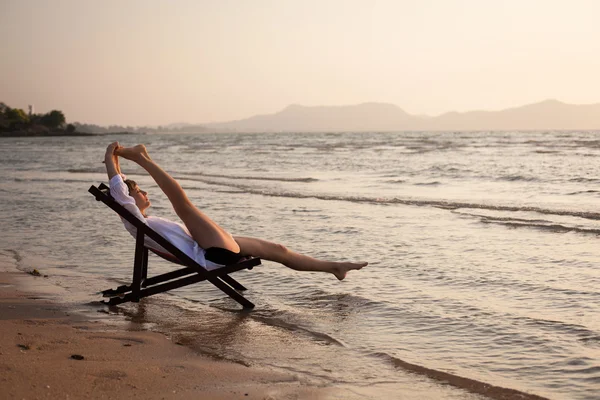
[(228, 290), (144, 267), (138, 266)]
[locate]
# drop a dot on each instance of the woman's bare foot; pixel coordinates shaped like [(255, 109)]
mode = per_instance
[(341, 269), (135, 153)]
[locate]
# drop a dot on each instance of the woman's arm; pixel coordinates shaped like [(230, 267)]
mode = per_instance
[(116, 160), (111, 160), (118, 189)]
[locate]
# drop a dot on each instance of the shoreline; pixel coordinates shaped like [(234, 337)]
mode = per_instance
[(46, 345), (45, 349), (61, 133)]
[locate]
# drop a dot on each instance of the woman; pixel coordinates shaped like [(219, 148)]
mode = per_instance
[(201, 238)]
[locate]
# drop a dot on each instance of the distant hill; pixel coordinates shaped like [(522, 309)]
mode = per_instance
[(377, 117)]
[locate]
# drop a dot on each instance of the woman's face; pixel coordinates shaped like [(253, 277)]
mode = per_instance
[(140, 197)]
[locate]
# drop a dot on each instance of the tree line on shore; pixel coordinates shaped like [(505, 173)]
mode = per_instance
[(16, 120)]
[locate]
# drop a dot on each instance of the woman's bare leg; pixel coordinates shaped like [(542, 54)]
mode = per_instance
[(204, 230), (299, 262)]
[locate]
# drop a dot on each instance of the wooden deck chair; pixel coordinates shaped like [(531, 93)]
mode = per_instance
[(142, 286)]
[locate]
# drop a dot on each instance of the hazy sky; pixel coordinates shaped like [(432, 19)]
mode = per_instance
[(156, 62)]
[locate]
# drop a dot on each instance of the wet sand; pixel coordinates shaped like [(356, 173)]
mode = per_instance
[(46, 351)]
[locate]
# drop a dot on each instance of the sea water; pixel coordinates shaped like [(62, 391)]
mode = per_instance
[(482, 247)]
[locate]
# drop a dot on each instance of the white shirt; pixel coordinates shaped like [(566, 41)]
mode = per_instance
[(174, 232)]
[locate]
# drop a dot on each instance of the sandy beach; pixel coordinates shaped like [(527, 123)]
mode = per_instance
[(48, 352)]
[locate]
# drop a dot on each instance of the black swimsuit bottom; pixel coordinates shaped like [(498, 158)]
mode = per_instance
[(222, 256)]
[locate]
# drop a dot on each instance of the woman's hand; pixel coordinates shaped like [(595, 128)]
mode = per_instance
[(112, 148), (111, 160)]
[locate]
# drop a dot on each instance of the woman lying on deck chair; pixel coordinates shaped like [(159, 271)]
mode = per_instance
[(201, 238)]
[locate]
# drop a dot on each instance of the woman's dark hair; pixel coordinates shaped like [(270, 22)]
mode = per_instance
[(131, 184)]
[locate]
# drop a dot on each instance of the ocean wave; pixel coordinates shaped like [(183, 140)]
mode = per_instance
[(582, 333), (547, 151), (491, 283), (592, 144), (282, 323), (468, 384), (395, 181), (507, 219), (546, 226), (443, 204), (458, 205), (15, 255), (591, 340), (254, 178), (433, 183), (342, 299), (62, 180), (582, 192), (516, 178), (585, 180), (87, 170)]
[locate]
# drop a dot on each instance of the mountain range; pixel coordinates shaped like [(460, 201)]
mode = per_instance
[(381, 117)]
